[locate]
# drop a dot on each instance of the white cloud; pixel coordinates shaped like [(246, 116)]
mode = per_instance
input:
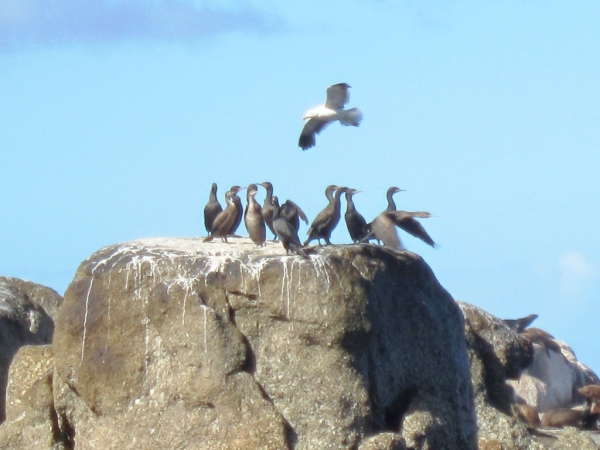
[(577, 274), (47, 23)]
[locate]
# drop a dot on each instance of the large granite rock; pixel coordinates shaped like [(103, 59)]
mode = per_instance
[(210, 346), (217, 346), (26, 317)]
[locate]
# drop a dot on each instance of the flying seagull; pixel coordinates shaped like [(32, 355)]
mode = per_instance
[(332, 110)]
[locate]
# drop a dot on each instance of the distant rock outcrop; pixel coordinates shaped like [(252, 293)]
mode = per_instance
[(214, 346), (27, 311), (553, 378)]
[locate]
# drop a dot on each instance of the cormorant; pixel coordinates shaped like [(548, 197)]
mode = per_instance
[(356, 223), (286, 233), (268, 208), (332, 110), (239, 209), (253, 219), (384, 226), (293, 213), (328, 218), (223, 223), (389, 194), (212, 208)]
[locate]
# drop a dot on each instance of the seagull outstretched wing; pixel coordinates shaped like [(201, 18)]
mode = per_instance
[(312, 127), (337, 96)]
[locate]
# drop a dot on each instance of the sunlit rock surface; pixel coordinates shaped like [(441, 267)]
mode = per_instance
[(206, 345), (26, 317), (553, 378)]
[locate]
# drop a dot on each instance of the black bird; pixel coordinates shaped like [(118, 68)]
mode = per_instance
[(253, 218), (268, 208), (328, 218), (390, 207), (212, 208), (356, 223), (293, 213), (223, 223), (286, 233), (384, 226), (390, 193), (239, 209), (519, 325)]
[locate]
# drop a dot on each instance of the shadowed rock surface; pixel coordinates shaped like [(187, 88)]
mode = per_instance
[(496, 354)]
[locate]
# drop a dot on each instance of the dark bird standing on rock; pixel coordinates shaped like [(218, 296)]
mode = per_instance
[(293, 213), (390, 198), (239, 209), (224, 222), (328, 218), (356, 223), (268, 209), (212, 208), (253, 218), (384, 226), (286, 233)]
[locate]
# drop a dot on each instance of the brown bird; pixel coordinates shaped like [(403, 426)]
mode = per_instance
[(224, 222), (253, 219), (356, 223), (390, 198), (212, 208), (328, 218), (542, 338), (268, 208), (384, 226), (286, 233), (530, 414), (564, 417), (291, 212), (239, 209)]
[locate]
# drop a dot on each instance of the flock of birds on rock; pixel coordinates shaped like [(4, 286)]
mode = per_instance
[(284, 220)]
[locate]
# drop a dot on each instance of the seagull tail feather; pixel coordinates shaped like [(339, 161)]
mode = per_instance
[(351, 117)]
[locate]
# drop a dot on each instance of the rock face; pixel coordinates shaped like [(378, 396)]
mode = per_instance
[(26, 317), (161, 341), (496, 354), (210, 346)]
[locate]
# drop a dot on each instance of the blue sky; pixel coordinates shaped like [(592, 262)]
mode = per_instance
[(116, 117)]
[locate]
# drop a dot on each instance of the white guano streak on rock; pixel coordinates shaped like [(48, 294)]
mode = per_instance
[(103, 262), (204, 309), (321, 266)]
